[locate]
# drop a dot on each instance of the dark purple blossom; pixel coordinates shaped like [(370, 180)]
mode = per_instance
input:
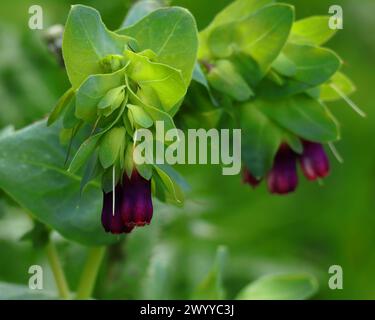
[(283, 177), (314, 161), (133, 205), (136, 205)]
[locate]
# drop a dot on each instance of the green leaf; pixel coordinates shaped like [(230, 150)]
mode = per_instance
[(261, 139), (174, 191), (339, 81), (93, 90), (110, 145), (156, 79), (172, 34), (280, 287), (314, 65), (88, 147), (140, 10), (270, 29), (293, 141), (225, 78), (61, 106), (154, 113), (236, 11), (32, 173), (10, 291), (199, 76), (140, 116), (70, 120), (303, 116), (312, 30), (111, 101), (145, 170), (84, 153), (284, 66), (212, 288), (92, 170), (86, 42)]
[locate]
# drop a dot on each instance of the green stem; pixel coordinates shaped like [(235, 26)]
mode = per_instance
[(90, 273), (57, 270)]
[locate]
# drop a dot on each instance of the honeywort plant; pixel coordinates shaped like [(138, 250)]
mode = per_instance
[(128, 80), (254, 67)]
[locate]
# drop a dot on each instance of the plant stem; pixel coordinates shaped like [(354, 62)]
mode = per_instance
[(57, 270), (90, 272)]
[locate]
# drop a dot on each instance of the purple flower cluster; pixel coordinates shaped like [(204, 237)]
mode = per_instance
[(283, 177)]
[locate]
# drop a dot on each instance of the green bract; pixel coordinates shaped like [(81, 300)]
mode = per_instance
[(87, 42)]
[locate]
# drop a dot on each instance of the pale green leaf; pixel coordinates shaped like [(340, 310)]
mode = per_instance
[(92, 91), (314, 66), (225, 78), (212, 287), (61, 106), (172, 34), (86, 42), (328, 91), (261, 139), (235, 11), (312, 30), (140, 10), (261, 36), (110, 145), (140, 116), (280, 287), (303, 116), (156, 79)]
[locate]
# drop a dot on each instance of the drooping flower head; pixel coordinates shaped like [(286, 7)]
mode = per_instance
[(132, 207), (111, 216), (283, 177), (136, 205)]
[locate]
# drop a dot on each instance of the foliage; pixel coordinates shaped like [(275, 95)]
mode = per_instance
[(273, 83)]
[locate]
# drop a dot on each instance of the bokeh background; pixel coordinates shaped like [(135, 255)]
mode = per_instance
[(318, 226)]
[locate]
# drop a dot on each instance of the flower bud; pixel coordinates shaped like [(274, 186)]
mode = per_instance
[(249, 179), (314, 161), (111, 101), (112, 63)]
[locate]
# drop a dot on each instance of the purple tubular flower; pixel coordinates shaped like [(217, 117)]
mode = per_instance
[(111, 220), (283, 177), (249, 179), (314, 161), (133, 205), (136, 206)]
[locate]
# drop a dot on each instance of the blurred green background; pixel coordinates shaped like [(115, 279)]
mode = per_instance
[(315, 228)]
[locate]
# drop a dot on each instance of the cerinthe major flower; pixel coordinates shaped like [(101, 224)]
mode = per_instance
[(314, 161), (132, 207), (283, 177)]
